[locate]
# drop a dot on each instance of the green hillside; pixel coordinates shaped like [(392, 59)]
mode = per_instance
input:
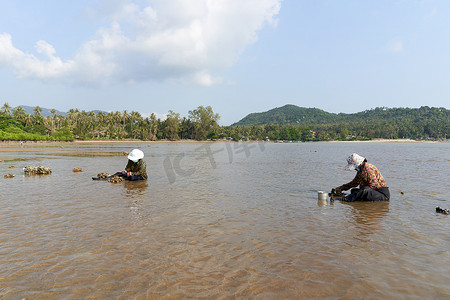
[(292, 115), (290, 122), (289, 114)]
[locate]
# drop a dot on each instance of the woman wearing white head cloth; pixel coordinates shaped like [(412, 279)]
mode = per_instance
[(372, 186), (136, 168)]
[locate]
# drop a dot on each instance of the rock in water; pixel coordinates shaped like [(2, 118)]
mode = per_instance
[(102, 175), (442, 210), (37, 170), (116, 179), (9, 176), (77, 170)]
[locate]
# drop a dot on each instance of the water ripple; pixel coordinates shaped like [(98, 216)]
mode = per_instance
[(252, 228)]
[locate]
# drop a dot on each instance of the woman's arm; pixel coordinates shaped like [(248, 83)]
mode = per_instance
[(354, 183)]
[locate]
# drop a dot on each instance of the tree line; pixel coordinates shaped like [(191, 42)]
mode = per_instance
[(15, 124), (202, 124)]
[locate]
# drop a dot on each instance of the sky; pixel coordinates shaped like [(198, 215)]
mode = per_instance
[(237, 56)]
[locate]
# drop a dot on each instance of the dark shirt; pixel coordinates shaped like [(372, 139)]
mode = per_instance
[(138, 168)]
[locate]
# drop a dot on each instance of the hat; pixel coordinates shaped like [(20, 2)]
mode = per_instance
[(135, 155), (354, 161)]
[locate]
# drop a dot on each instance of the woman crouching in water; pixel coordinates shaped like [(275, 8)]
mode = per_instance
[(372, 186), (136, 168)]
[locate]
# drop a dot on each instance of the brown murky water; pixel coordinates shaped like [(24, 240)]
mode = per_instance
[(225, 221)]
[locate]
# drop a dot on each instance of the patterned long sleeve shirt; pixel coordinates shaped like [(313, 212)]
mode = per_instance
[(139, 168), (368, 175)]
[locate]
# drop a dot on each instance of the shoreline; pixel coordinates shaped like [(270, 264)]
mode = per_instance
[(28, 144), (390, 141), (76, 146)]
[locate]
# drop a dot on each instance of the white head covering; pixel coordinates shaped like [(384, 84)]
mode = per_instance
[(354, 161), (135, 155)]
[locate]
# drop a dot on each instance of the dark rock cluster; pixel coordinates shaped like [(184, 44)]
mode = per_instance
[(442, 210)]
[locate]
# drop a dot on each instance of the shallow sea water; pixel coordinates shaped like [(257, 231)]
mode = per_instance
[(226, 221)]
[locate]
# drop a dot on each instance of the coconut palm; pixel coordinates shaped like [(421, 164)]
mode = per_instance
[(37, 111), (6, 109), (29, 120), (60, 121), (19, 113), (125, 118), (153, 127), (49, 123), (135, 128), (37, 115)]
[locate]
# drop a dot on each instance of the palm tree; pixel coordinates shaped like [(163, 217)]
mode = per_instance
[(136, 117), (72, 117), (53, 119), (28, 119), (109, 118), (37, 114), (49, 123), (60, 121), (83, 123), (100, 125), (125, 118), (19, 113), (153, 127), (6, 109), (37, 111), (135, 125)]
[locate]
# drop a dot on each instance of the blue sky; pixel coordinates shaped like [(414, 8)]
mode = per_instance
[(238, 56)]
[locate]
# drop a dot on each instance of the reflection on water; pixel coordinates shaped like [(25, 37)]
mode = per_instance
[(135, 188), (367, 216), (239, 221)]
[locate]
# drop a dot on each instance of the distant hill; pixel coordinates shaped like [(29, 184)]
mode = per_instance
[(98, 111), (289, 114), (46, 111)]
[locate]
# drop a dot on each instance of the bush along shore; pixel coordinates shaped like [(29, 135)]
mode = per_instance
[(424, 123)]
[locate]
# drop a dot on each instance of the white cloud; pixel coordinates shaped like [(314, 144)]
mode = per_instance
[(185, 40), (45, 48), (28, 65)]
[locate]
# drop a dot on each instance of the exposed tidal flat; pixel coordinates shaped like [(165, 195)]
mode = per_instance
[(223, 220)]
